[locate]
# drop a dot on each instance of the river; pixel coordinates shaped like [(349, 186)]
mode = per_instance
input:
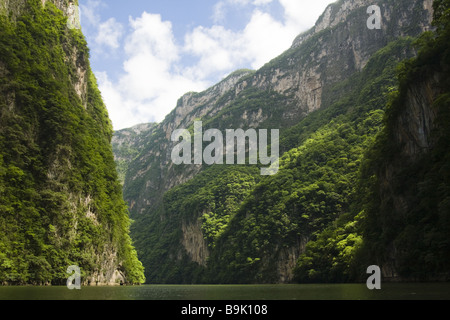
[(389, 291)]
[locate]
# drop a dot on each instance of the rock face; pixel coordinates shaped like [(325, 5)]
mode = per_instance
[(126, 144), (336, 47), (151, 173), (282, 92), (407, 219), (60, 126), (16, 7), (412, 136), (194, 242), (405, 177), (416, 122)]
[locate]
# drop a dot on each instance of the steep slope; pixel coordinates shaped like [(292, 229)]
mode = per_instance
[(407, 210), (278, 95), (152, 172), (326, 94), (61, 202), (126, 144)]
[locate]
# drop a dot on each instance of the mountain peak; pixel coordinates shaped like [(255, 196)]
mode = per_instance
[(189, 209), (340, 12)]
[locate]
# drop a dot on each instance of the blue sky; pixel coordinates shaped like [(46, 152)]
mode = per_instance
[(147, 54)]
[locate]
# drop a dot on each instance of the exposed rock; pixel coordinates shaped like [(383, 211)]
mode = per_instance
[(412, 138), (338, 46), (79, 210), (194, 243), (416, 121), (287, 261)]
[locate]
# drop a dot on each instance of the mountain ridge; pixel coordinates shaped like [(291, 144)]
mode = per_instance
[(61, 203), (303, 89), (191, 226)]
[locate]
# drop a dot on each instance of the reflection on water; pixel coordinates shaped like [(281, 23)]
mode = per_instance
[(392, 291)]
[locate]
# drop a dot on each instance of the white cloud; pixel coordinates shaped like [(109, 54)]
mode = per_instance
[(150, 84), (109, 33), (262, 39), (261, 2), (303, 13), (222, 50), (266, 38), (222, 7), (154, 74), (89, 11), (217, 48)]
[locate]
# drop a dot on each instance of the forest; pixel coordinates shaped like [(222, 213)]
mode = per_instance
[(363, 176), (60, 200), (334, 202)]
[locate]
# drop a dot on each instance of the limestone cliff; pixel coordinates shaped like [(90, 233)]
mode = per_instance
[(413, 140), (407, 211), (60, 199), (306, 78), (416, 122), (408, 224), (339, 45)]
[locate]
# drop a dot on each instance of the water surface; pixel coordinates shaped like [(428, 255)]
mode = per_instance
[(392, 291)]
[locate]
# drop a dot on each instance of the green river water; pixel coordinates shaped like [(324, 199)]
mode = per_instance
[(389, 291)]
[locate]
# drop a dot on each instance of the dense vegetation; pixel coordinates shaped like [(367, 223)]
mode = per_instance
[(60, 200), (331, 210), (215, 194), (310, 199), (246, 225), (414, 237), (126, 144), (322, 215)]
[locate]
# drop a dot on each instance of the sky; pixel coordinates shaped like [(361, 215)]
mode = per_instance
[(146, 54)]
